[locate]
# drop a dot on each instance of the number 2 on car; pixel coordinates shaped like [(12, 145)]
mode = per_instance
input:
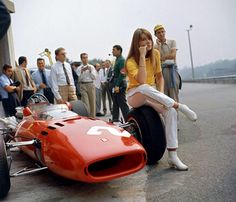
[(96, 130)]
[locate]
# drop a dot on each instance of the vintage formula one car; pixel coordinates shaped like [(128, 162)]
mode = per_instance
[(77, 147)]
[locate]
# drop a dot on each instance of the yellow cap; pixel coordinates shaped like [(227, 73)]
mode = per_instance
[(157, 27)]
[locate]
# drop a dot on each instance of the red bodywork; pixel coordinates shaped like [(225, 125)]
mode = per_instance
[(69, 151)]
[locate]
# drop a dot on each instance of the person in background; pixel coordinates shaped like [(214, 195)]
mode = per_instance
[(107, 87), (103, 76), (146, 87), (167, 48), (63, 86), (8, 91), (74, 67), (87, 74), (27, 87), (97, 83), (120, 85), (42, 80), (110, 78)]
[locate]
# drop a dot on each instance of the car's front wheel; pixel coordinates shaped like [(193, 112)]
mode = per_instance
[(147, 127), (5, 183)]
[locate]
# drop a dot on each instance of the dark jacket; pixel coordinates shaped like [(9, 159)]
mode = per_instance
[(5, 19)]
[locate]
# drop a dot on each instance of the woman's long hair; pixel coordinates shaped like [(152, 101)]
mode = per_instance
[(134, 48)]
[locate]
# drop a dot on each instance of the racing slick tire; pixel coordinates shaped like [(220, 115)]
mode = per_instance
[(148, 128), (5, 183), (79, 107)]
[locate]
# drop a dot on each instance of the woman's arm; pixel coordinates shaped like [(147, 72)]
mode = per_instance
[(142, 73)]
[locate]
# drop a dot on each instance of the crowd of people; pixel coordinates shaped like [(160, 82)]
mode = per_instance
[(148, 76), (64, 82)]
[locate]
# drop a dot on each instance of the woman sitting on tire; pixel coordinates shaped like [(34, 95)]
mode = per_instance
[(145, 77)]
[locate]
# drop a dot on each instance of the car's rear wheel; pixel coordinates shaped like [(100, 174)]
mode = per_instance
[(5, 183), (79, 107), (147, 127)]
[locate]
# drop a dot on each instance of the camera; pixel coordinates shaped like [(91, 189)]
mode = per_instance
[(16, 83)]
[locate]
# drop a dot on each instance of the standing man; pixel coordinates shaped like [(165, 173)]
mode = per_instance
[(170, 73), (110, 77), (97, 83), (120, 85), (8, 91), (27, 87), (107, 91), (87, 74), (74, 67), (103, 77), (62, 80), (41, 79)]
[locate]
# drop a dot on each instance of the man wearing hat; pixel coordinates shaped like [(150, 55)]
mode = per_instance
[(168, 50)]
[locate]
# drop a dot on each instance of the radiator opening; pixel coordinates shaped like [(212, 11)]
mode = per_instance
[(116, 165)]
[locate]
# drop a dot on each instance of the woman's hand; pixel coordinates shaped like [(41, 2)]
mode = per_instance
[(143, 50), (142, 73)]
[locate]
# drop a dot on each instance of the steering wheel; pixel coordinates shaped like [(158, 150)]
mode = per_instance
[(37, 98)]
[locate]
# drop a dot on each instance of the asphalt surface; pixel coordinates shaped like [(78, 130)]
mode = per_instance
[(208, 147)]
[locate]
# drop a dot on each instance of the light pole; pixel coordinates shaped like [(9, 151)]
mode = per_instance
[(190, 49)]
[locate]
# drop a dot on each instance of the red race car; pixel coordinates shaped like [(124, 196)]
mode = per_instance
[(80, 148)]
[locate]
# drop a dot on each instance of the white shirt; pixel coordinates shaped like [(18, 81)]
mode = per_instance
[(86, 76), (97, 81), (58, 77), (103, 74)]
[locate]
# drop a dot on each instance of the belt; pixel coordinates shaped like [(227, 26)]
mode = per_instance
[(64, 86), (167, 66), (86, 82)]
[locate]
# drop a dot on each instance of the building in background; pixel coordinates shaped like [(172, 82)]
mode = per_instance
[(7, 53)]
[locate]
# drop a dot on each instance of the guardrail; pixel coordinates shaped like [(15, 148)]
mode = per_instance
[(230, 79)]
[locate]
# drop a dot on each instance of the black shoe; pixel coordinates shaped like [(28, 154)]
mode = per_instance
[(99, 114)]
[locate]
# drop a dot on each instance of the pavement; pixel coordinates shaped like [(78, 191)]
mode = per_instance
[(207, 146)]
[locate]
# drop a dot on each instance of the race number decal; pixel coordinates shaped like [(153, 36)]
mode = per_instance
[(96, 130)]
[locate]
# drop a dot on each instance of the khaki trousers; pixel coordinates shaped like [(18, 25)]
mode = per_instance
[(67, 93), (88, 97)]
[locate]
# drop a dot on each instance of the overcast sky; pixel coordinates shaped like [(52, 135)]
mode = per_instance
[(94, 26)]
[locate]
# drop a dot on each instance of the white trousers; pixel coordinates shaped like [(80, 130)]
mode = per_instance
[(169, 113)]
